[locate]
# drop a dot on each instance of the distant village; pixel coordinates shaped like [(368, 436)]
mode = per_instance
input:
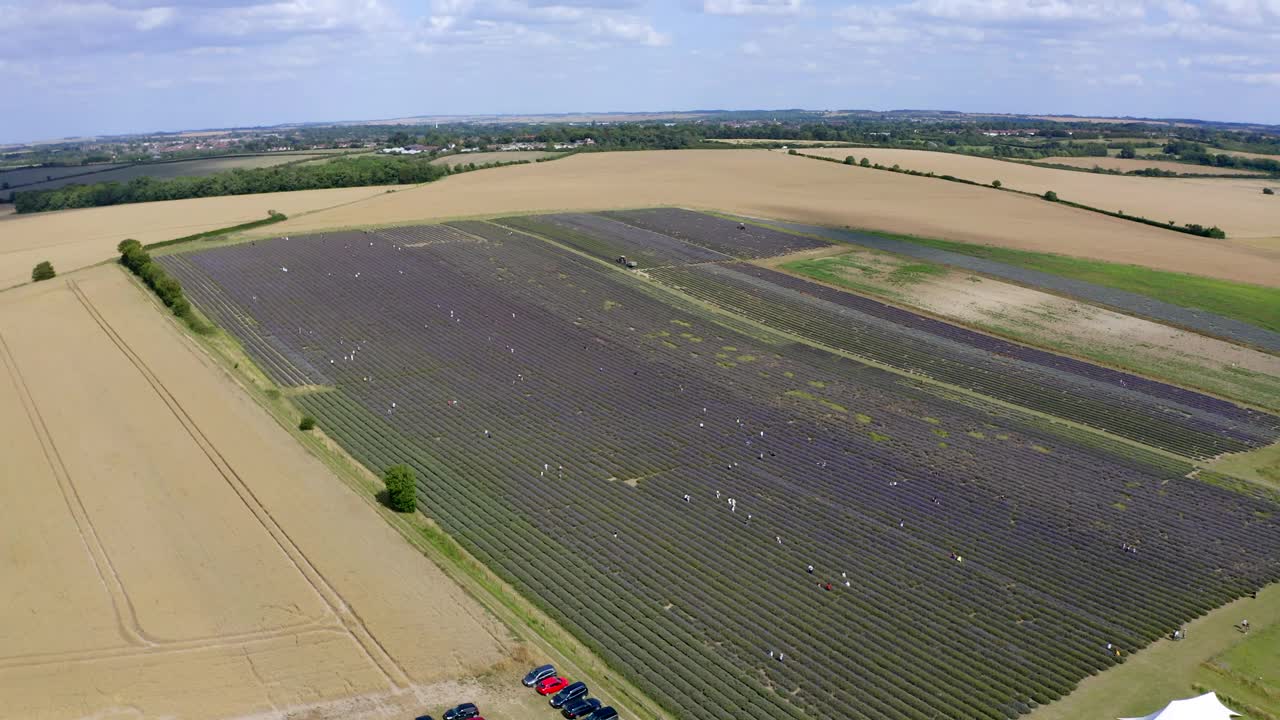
[(508, 147)]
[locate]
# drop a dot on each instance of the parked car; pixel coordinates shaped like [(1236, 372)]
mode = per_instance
[(549, 686), (604, 713), (576, 690), (580, 707), (542, 672), (465, 711), (424, 717)]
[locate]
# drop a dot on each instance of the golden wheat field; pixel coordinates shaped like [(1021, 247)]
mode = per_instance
[(1129, 165), (75, 238), (775, 185), (481, 158), (170, 551), (1235, 204)]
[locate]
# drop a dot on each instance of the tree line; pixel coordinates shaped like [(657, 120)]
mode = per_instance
[(342, 172)]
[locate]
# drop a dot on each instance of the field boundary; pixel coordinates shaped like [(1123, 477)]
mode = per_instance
[(1135, 303), (779, 264), (1188, 229), (1027, 414), (523, 618), (272, 219)]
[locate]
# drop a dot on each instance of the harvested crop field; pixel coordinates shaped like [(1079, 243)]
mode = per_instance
[(573, 422), (72, 239), (766, 184), (1236, 205), (172, 552), (480, 158), (1129, 165)]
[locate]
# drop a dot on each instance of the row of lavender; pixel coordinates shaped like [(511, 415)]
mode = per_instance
[(1133, 415), (1156, 400), (570, 428)]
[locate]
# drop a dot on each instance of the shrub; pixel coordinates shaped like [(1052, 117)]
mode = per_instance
[(307, 423), (401, 495), (996, 184), (43, 271), (1051, 196), (866, 162), (1268, 191), (848, 160), (792, 152)]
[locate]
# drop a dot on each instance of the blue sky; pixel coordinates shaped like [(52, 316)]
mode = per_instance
[(110, 66)]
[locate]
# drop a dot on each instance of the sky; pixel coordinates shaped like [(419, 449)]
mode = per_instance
[(71, 68)]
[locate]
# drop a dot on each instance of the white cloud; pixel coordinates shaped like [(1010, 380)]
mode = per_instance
[(1261, 79), (752, 7), (1123, 80), (1022, 11), (630, 30)]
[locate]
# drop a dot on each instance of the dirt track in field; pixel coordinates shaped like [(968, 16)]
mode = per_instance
[(772, 184), (72, 239), (170, 551), (1235, 204)]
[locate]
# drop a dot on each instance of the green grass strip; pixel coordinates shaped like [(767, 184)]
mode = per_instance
[(277, 217), (1254, 304)]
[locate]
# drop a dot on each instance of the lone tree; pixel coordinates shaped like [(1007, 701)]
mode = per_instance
[(866, 162), (401, 496), (127, 245), (996, 183), (1051, 196), (848, 160), (43, 271), (306, 423)]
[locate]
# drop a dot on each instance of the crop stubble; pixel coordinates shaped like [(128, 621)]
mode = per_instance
[(1235, 204)]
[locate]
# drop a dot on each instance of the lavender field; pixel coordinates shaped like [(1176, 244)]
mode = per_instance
[(744, 524)]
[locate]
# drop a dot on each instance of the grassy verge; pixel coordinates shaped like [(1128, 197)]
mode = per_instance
[(523, 619), (887, 277), (271, 219), (1254, 304), (1261, 466), (1168, 670)]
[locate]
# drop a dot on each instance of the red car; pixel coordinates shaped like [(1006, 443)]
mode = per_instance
[(551, 685)]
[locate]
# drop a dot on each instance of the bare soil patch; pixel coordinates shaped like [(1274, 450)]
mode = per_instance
[(1236, 205), (769, 184), (171, 551), (1062, 324), (1129, 165)]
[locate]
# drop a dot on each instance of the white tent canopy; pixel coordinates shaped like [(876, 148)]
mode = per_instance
[(1204, 707)]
